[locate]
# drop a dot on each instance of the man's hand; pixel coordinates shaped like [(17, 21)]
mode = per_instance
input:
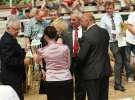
[(27, 61)]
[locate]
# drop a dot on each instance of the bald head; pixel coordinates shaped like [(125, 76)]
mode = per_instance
[(87, 19), (89, 16)]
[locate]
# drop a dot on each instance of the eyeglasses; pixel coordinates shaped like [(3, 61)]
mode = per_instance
[(16, 29)]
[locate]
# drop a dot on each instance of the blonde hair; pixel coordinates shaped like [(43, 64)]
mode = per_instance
[(33, 12), (60, 25)]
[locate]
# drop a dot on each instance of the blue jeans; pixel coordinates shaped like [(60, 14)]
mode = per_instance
[(126, 60), (122, 58), (129, 48)]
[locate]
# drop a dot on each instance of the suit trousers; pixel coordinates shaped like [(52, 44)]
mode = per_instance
[(97, 89), (80, 92)]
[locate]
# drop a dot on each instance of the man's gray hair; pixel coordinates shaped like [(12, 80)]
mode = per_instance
[(11, 21), (77, 14)]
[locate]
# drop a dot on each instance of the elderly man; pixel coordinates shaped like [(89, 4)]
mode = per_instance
[(72, 40), (12, 58), (94, 63)]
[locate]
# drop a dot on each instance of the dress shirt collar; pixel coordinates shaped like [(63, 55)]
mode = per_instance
[(9, 34), (110, 15), (36, 21), (78, 28), (91, 26)]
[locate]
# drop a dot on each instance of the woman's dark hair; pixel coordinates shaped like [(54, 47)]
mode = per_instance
[(51, 32)]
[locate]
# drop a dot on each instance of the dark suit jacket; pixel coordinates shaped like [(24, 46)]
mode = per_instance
[(93, 57), (12, 60)]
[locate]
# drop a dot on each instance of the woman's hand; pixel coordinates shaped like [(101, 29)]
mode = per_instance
[(37, 58)]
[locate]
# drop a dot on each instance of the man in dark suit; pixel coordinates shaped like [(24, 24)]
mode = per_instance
[(94, 63), (69, 39), (12, 58)]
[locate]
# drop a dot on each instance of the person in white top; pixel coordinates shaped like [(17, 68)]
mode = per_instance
[(8, 93), (58, 78), (130, 35), (112, 23)]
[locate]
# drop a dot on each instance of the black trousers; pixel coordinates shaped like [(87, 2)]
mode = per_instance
[(80, 92), (59, 90), (97, 89)]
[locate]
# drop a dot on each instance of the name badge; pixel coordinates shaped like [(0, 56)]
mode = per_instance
[(113, 32)]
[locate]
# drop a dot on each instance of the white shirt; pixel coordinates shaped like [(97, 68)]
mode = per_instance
[(8, 93), (106, 23), (79, 33), (130, 38), (90, 26)]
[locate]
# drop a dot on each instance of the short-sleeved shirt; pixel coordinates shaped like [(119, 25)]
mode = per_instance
[(57, 58), (130, 38), (35, 29), (106, 23)]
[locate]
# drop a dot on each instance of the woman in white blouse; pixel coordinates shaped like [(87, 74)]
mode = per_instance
[(57, 75)]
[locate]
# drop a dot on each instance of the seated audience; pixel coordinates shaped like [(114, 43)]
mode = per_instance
[(73, 5)]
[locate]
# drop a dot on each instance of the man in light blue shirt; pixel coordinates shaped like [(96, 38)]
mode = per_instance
[(112, 23)]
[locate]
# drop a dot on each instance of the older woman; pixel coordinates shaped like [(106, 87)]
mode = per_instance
[(57, 57)]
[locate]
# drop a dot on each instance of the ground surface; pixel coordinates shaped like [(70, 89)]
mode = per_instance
[(129, 94)]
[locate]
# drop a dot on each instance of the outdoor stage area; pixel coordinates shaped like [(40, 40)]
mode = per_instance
[(129, 94)]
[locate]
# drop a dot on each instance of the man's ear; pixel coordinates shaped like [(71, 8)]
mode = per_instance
[(8, 28)]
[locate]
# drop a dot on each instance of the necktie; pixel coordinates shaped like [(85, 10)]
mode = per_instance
[(113, 28), (76, 44), (113, 24)]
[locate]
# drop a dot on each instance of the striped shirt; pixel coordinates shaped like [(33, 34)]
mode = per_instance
[(57, 58), (35, 29)]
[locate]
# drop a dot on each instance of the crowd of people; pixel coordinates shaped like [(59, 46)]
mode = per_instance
[(71, 5), (72, 55)]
